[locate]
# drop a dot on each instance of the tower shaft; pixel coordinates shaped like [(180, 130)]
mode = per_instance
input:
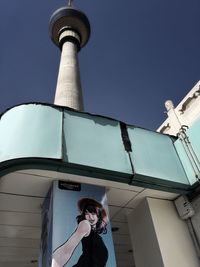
[(68, 90)]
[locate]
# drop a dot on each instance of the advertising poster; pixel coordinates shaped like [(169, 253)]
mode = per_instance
[(81, 231)]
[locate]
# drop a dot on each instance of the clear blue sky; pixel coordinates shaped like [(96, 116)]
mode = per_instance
[(141, 53)]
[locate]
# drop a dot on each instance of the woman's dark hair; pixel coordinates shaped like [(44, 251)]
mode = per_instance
[(92, 206)]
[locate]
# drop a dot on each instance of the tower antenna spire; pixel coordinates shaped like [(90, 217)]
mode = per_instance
[(70, 2)]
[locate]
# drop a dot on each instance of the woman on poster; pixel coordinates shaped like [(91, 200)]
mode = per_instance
[(92, 222)]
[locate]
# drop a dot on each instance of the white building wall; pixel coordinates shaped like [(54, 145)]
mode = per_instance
[(160, 237), (146, 249), (186, 113)]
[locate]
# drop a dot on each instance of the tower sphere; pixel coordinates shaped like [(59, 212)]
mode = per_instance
[(72, 19)]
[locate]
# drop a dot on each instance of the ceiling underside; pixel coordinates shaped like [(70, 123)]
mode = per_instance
[(21, 196)]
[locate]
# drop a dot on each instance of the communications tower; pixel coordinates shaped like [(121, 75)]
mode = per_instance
[(70, 31)]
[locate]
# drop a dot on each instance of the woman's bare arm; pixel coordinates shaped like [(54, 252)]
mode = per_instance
[(62, 255)]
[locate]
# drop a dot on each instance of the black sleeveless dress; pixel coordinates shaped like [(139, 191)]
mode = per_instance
[(95, 253)]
